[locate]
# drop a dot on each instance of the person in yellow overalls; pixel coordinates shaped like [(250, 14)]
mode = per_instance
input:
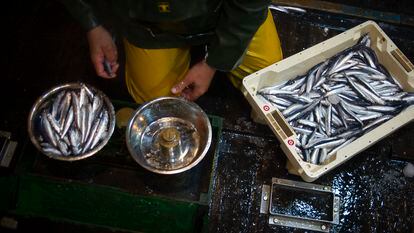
[(240, 38)]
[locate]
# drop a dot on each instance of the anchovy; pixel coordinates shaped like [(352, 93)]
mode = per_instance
[(56, 103), (277, 100), (324, 154), (335, 91), (328, 120), (82, 97), (312, 138), (76, 109), (365, 40), (409, 99), (84, 123), (381, 108), (370, 88), (90, 138), (335, 149), (394, 98), (346, 66), (346, 110), (99, 134), (97, 104), (314, 156), (63, 148), (299, 99), (308, 123), (319, 71), (369, 59), (51, 150), (64, 107), (321, 140), (330, 143), (88, 91), (342, 62), (89, 119), (75, 139), (358, 90), (294, 85), (370, 116), (307, 108), (67, 123), (292, 109), (53, 123), (376, 122), (371, 95), (48, 130), (277, 92)]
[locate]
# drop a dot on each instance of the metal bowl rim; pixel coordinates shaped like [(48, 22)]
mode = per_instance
[(168, 172), (53, 91)]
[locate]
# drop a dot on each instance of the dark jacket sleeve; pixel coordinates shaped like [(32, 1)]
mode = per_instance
[(239, 21), (83, 12)]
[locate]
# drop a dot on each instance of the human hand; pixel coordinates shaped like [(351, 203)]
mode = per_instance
[(196, 81), (103, 49)]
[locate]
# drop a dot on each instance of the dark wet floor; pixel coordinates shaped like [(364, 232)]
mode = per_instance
[(46, 47)]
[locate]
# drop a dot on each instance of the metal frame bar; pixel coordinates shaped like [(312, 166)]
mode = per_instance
[(296, 221)]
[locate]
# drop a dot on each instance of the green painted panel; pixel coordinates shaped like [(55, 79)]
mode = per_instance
[(8, 189), (56, 196), (103, 206)]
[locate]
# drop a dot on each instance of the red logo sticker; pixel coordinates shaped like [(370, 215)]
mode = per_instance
[(290, 142), (266, 108)]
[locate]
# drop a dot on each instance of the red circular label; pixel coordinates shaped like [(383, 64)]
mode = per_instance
[(290, 142), (266, 108)]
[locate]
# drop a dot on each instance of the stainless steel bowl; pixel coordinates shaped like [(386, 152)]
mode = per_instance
[(168, 135), (45, 102)]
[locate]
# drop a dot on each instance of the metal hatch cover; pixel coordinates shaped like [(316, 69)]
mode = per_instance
[(300, 205)]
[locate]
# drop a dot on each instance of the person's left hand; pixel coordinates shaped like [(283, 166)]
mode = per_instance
[(196, 81)]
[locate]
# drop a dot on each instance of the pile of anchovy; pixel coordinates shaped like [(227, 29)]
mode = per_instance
[(74, 122), (337, 101)]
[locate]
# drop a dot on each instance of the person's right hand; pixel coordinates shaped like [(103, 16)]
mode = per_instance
[(102, 47)]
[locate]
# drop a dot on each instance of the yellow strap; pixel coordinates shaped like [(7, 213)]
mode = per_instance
[(151, 73), (263, 50)]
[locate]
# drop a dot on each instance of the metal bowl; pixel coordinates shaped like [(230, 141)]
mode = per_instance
[(168, 135), (67, 141)]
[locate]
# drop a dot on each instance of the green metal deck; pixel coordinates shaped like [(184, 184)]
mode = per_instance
[(110, 189)]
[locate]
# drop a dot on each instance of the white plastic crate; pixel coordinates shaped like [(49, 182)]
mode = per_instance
[(388, 55)]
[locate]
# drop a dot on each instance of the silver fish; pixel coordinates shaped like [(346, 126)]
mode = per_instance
[(48, 130)]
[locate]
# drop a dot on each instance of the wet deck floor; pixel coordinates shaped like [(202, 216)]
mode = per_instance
[(46, 47)]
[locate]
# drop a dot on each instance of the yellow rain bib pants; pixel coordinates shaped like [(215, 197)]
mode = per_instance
[(151, 73)]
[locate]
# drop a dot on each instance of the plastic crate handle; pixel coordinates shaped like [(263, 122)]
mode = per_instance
[(403, 60), (279, 125)]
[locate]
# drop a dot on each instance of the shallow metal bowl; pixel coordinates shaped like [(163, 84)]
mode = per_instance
[(168, 135), (36, 129)]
